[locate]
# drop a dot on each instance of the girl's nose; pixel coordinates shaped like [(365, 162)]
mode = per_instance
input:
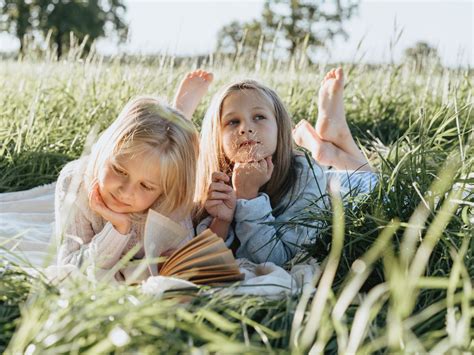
[(245, 130), (246, 127), (126, 192)]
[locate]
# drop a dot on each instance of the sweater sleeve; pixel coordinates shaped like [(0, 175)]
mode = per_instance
[(79, 242), (264, 237), (203, 225)]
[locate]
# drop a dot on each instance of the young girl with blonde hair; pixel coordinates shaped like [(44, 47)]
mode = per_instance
[(251, 182), (145, 159)]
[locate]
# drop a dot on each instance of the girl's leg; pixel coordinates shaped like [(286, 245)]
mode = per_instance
[(324, 152), (191, 90), (331, 124)]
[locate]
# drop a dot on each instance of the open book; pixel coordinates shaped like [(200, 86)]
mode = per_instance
[(205, 259)]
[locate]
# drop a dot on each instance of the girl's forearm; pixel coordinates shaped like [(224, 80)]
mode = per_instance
[(220, 227)]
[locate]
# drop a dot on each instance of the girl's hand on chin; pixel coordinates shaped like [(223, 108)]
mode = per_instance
[(248, 178), (120, 221)]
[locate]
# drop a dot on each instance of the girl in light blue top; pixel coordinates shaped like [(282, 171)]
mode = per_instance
[(251, 182)]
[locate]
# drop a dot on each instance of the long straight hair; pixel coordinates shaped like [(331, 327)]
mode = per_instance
[(212, 157)]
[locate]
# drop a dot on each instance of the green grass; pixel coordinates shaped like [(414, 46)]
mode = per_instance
[(397, 270)]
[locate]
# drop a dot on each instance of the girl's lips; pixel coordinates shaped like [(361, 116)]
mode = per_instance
[(118, 202), (247, 143)]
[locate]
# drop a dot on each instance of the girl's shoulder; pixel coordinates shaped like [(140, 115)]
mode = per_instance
[(71, 178), (72, 169), (309, 184), (310, 176)]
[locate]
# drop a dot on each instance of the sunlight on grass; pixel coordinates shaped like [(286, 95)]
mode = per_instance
[(397, 270)]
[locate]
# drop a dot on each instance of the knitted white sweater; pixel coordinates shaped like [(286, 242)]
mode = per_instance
[(85, 235)]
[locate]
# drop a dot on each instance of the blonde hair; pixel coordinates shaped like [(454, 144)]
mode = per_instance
[(146, 125), (212, 157)]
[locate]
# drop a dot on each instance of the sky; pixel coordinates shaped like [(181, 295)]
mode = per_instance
[(190, 27)]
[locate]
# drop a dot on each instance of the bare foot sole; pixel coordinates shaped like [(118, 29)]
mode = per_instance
[(191, 90), (325, 153), (331, 124)]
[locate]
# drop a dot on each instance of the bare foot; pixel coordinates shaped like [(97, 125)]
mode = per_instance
[(191, 90), (331, 124), (325, 153)]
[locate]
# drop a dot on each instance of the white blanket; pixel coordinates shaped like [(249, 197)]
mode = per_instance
[(26, 230), (26, 226)]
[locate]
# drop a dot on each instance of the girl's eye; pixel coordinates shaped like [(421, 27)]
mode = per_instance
[(148, 188), (119, 171), (233, 122), (260, 117)]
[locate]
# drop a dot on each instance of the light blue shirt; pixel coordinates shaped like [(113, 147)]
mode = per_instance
[(266, 237)]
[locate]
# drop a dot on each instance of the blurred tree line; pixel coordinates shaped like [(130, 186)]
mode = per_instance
[(288, 25), (285, 26), (55, 20)]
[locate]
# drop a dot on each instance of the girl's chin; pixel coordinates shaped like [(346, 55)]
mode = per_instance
[(248, 158), (115, 209)]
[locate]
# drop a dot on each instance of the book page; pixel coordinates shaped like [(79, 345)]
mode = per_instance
[(193, 274), (161, 234), (197, 242), (223, 257), (211, 247), (211, 268), (214, 279)]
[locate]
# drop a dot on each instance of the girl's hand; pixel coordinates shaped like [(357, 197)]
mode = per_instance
[(120, 221), (248, 178), (221, 199)]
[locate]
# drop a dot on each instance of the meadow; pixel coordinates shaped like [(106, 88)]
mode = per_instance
[(397, 271)]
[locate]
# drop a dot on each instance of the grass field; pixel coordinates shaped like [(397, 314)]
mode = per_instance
[(397, 274)]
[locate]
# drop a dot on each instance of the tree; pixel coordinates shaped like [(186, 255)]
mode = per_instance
[(294, 22), (243, 37), (92, 18), (422, 53), (16, 17), (310, 21)]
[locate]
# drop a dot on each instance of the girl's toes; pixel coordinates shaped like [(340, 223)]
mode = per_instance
[(209, 77)]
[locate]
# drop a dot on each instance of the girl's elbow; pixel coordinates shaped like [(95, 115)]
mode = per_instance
[(279, 257), (64, 258), (105, 263)]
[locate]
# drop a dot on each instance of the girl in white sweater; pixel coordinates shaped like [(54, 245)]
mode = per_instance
[(145, 159)]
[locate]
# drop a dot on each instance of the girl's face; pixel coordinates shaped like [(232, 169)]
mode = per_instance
[(130, 184), (248, 127)]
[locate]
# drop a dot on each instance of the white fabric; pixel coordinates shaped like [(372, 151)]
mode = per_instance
[(27, 224), (260, 279)]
